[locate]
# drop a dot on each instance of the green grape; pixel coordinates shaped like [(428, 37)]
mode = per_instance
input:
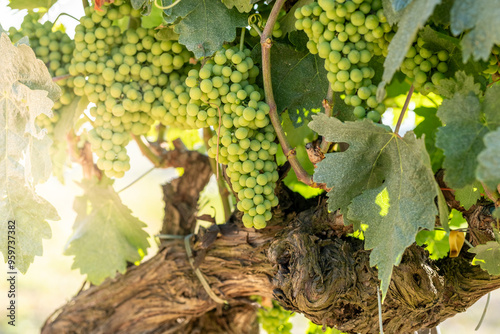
[(274, 320)]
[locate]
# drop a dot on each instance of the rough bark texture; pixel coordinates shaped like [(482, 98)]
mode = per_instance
[(304, 260)]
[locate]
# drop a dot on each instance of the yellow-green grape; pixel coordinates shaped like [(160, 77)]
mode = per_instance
[(275, 320), (347, 34), (222, 94), (426, 68)]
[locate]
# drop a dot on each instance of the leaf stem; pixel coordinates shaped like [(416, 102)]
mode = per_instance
[(289, 152), (403, 111), (223, 192), (327, 105), (146, 151)]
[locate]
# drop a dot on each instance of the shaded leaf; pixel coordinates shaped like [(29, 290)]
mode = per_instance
[(385, 184), (488, 169), (106, 236), (469, 195), (167, 34), (25, 88), (461, 83), (461, 139), (476, 19), (243, 6), (299, 82), (200, 28)]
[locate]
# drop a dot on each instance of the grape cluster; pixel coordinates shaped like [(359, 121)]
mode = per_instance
[(275, 320), (54, 48), (222, 94), (347, 34), (493, 61), (316, 329), (426, 68), (124, 74)]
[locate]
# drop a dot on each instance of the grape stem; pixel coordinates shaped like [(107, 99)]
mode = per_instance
[(58, 16), (146, 151), (403, 111), (218, 135), (166, 7), (136, 180), (289, 152), (85, 4), (223, 192), (327, 105), (242, 38)]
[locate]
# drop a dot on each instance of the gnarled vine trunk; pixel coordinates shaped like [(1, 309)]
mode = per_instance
[(304, 260)]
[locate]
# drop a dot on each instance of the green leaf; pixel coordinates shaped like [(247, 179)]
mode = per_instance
[(469, 195), (384, 182), (299, 81), (400, 4), (205, 25), (25, 88), (105, 235), (414, 17), (461, 84), (31, 4), (427, 129), (487, 257), (476, 19), (154, 19), (488, 169), (137, 4), (392, 16), (243, 6), (461, 139), (457, 220), (436, 243), (167, 34)]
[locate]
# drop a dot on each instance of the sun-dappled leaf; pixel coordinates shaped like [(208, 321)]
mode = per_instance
[(466, 121), (413, 18), (26, 89), (488, 256), (153, 19), (105, 235), (200, 28), (488, 169), (243, 6), (382, 181), (436, 243), (469, 195), (476, 19), (31, 4)]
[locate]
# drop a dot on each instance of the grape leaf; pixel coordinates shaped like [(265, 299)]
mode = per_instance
[(400, 4), (469, 195), (205, 25), (25, 88), (31, 4), (436, 243), (299, 81), (137, 4), (106, 236), (427, 129), (487, 256), (243, 6), (413, 18), (476, 18), (462, 84), (488, 169), (383, 182), (461, 139), (392, 16), (153, 19)]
